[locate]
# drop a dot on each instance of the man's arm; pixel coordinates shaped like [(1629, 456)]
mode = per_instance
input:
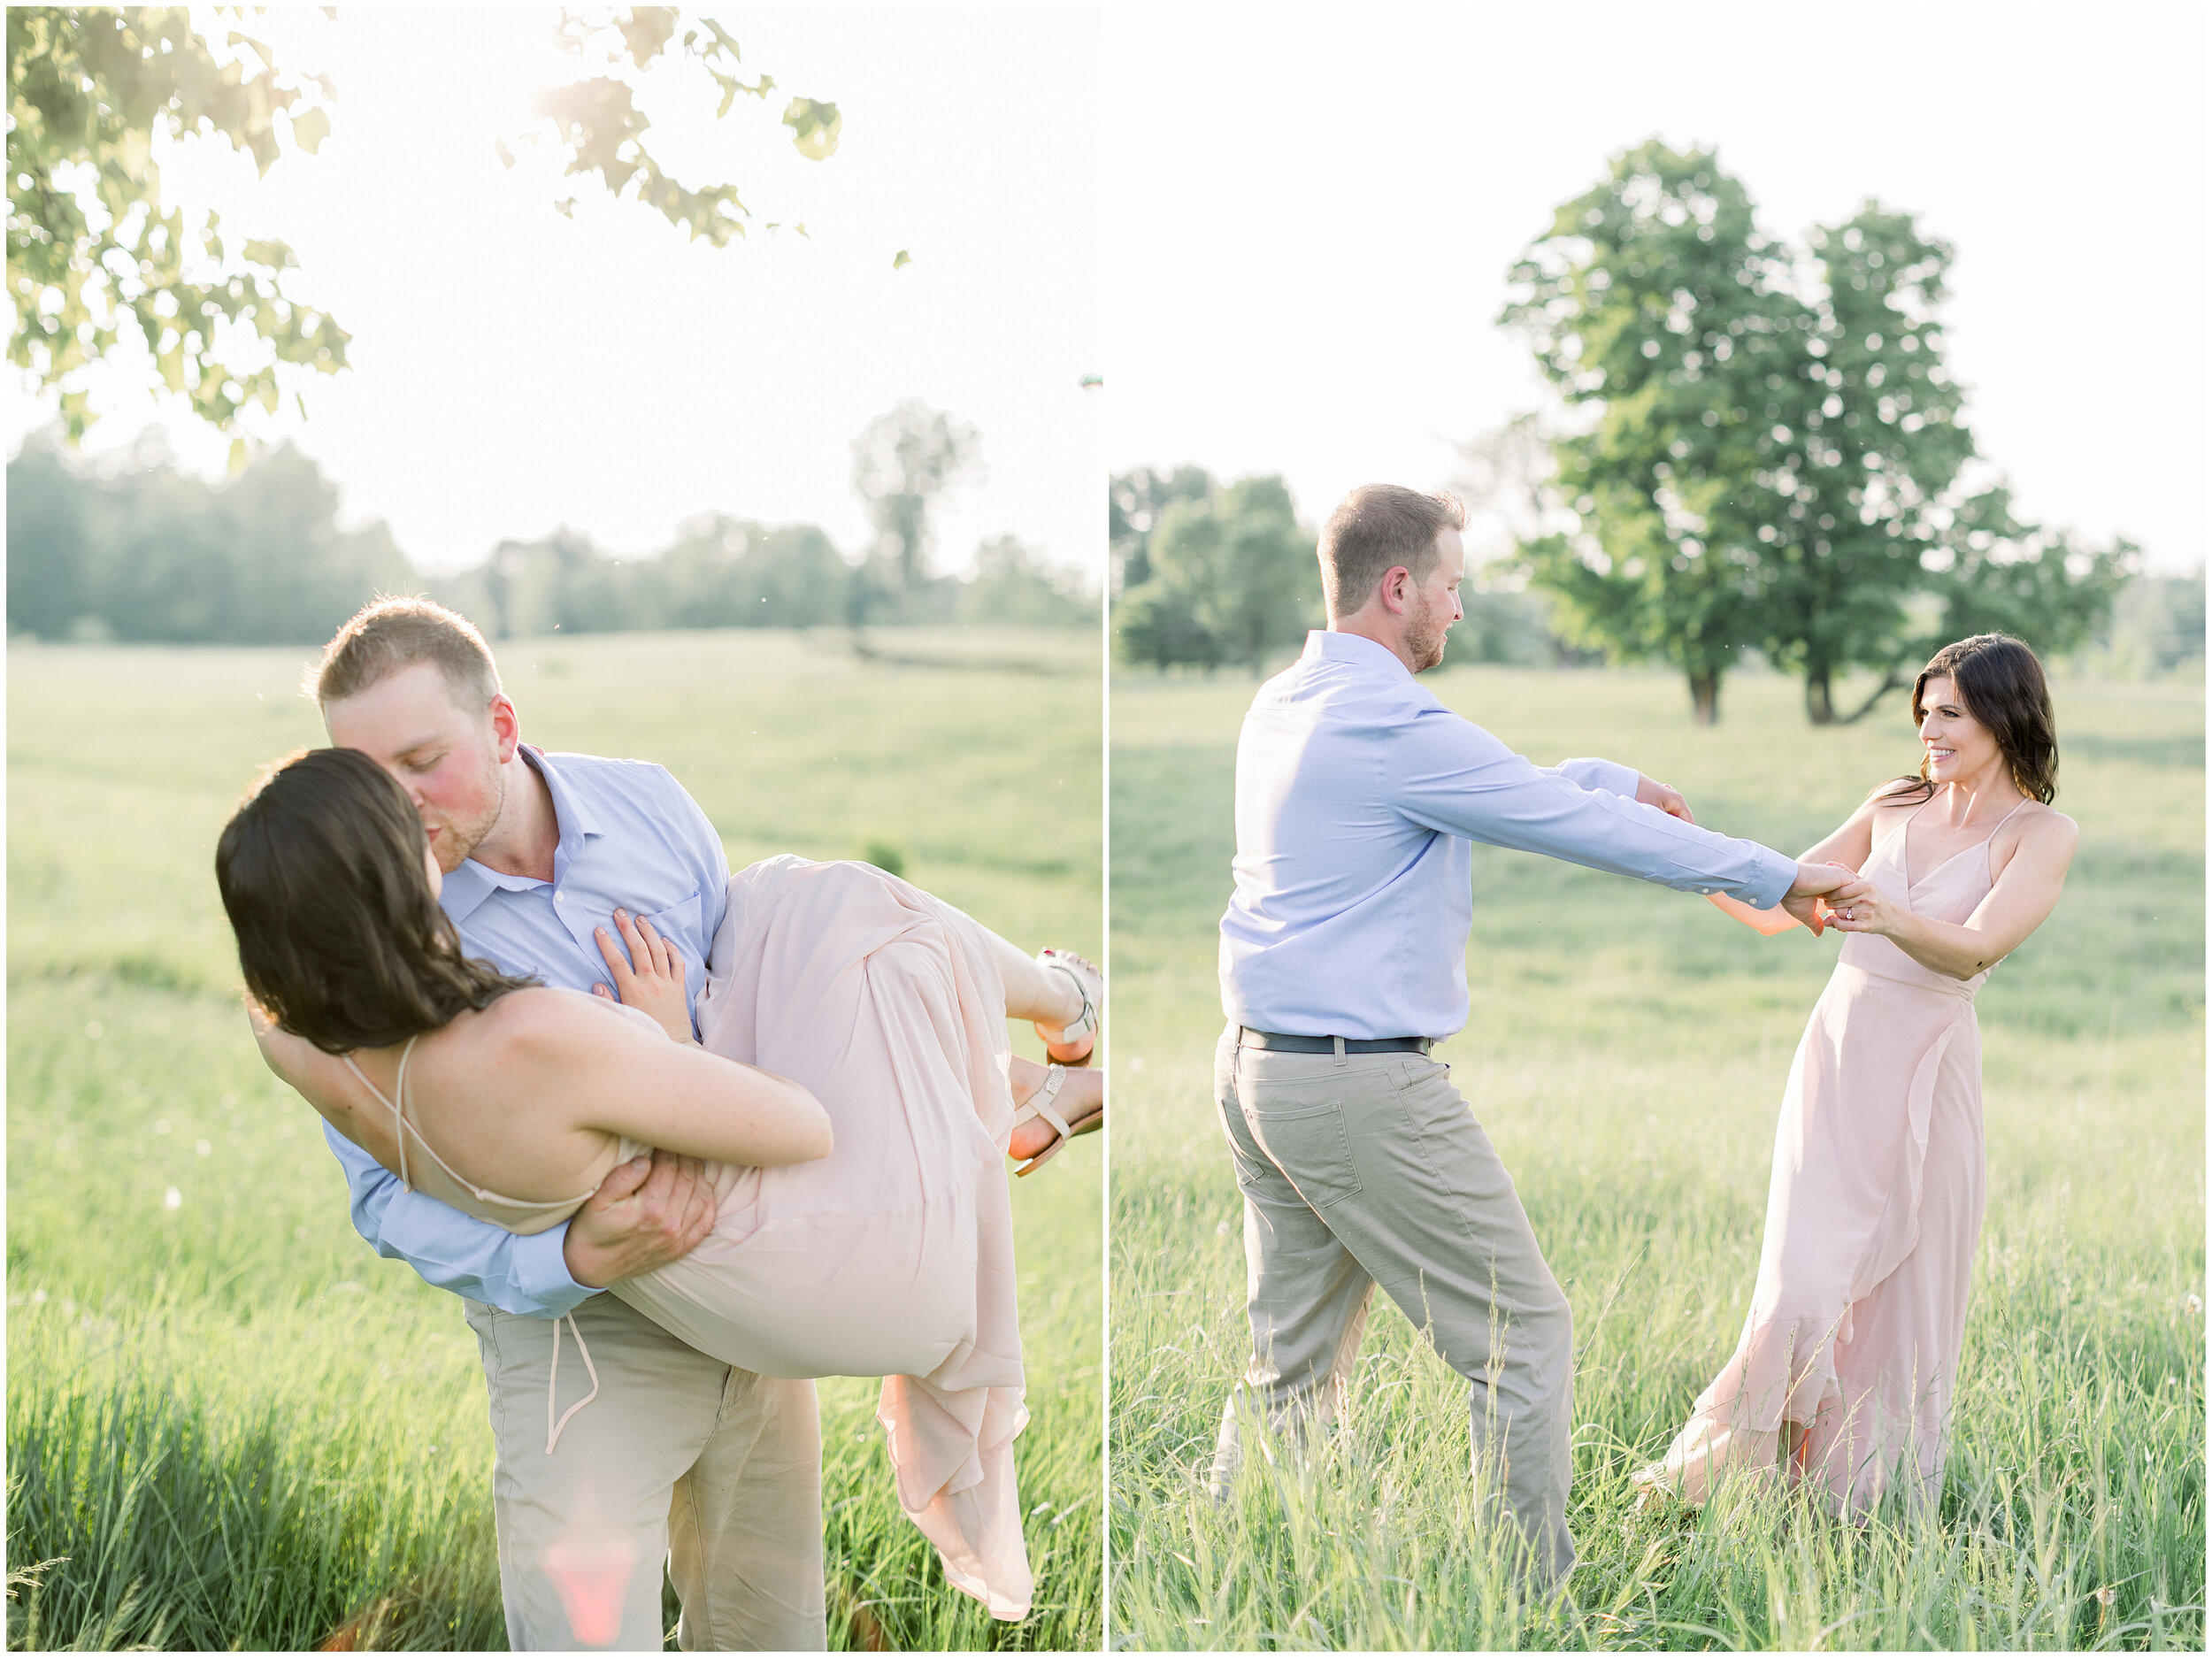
[(645, 1214), (453, 1251), (1452, 776)]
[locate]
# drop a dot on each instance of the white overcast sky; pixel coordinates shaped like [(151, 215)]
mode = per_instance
[(1312, 211), (514, 371)]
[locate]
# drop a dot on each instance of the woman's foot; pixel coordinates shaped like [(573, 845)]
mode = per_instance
[(1071, 1041), (1075, 1096)]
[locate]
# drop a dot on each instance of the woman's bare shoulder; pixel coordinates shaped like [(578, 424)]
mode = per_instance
[(2043, 825), (545, 1019)]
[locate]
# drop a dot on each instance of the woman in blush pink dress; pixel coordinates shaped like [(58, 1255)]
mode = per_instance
[(1844, 1371)]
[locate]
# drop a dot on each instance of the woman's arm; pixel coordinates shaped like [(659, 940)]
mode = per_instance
[(594, 1070), (315, 1075), (2024, 896), (1851, 843)]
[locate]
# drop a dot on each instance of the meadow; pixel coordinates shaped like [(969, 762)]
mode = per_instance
[(230, 1424), (1625, 1051)]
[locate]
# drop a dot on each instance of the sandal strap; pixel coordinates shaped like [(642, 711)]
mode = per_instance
[(1040, 1103), (1085, 1022)]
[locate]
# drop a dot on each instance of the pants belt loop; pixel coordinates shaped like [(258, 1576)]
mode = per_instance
[(1339, 1051)]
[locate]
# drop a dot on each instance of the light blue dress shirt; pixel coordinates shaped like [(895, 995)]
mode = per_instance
[(1357, 795), (631, 836)]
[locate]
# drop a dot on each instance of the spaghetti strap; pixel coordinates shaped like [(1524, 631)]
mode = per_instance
[(399, 1117), (402, 1128)]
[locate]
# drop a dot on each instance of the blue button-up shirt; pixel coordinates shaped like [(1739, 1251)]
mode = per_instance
[(629, 836), (1357, 795)]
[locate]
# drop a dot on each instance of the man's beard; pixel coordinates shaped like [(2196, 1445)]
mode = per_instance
[(461, 838), (1425, 635)]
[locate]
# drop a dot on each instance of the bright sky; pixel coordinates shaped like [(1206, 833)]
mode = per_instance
[(513, 369), (1312, 213)]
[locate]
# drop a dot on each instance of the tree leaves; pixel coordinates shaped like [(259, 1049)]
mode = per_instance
[(90, 248), (596, 120), (814, 128)]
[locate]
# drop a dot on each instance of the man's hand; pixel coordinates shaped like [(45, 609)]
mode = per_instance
[(647, 1213), (1815, 881), (1667, 800)]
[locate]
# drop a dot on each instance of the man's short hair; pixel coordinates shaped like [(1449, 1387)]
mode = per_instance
[(390, 635), (1377, 526)]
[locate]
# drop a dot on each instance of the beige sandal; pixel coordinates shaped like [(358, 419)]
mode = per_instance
[(1039, 1105), (1090, 984)]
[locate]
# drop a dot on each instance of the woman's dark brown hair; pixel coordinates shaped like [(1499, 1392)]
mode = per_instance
[(2000, 682), (340, 938)]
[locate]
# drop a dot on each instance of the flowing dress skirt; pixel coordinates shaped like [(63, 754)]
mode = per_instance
[(893, 1255)]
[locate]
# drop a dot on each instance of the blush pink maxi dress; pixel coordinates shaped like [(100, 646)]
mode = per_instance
[(1873, 1211), (893, 1255)]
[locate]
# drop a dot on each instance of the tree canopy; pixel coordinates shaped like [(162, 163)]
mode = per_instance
[(1768, 450), (1229, 573)]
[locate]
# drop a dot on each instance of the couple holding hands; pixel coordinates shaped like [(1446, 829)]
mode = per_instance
[(1343, 960)]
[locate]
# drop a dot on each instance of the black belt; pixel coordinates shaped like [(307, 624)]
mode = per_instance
[(1278, 1041)]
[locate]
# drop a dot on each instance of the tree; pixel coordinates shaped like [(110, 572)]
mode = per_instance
[(1232, 576), (1774, 454), (1997, 574), (1655, 303), (1859, 497), (903, 462), (1134, 502), (92, 251)]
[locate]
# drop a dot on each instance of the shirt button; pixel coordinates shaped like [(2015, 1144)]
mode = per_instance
[(560, 898)]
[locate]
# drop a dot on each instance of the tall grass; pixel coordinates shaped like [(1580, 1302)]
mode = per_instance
[(1625, 1051), (230, 1424)]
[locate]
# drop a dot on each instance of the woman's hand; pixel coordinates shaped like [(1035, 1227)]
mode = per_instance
[(1864, 911), (652, 976)]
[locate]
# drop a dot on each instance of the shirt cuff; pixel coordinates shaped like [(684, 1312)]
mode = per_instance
[(1776, 875), (541, 1274)]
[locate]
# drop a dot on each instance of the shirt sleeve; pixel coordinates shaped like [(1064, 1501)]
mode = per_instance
[(453, 1251), (1609, 775), (1452, 776)]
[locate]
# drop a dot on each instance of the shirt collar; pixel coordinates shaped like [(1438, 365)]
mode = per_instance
[(469, 885), (1327, 645)]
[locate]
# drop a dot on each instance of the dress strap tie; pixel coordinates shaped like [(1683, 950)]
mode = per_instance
[(553, 1379)]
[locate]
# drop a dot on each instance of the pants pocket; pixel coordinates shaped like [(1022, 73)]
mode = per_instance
[(1307, 1142)]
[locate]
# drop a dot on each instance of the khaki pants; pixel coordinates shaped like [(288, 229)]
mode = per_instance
[(680, 1458), (1367, 1168)]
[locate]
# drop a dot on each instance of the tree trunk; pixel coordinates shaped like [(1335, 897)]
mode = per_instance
[(1892, 680), (1705, 696), (1820, 706)]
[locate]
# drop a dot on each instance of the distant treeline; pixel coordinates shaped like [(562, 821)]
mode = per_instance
[(142, 551), (1206, 574)]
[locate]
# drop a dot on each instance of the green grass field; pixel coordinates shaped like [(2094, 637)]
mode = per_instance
[(1626, 1052), (230, 1424)]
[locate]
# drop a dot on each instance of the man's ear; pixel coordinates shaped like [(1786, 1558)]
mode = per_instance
[(506, 726), (1397, 589)]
